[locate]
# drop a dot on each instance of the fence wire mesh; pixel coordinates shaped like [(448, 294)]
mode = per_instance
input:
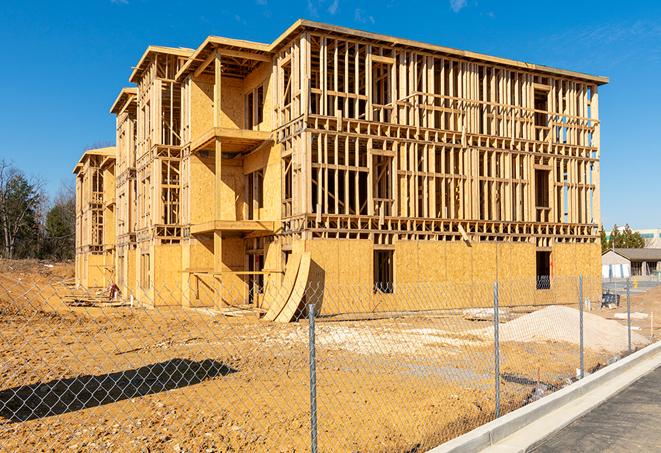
[(398, 368)]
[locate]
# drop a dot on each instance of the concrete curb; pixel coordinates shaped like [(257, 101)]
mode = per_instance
[(621, 374)]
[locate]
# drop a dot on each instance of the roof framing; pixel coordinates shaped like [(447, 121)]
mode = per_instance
[(253, 52), (124, 97), (149, 54)]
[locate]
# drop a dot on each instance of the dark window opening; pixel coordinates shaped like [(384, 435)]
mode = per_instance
[(543, 270), (256, 281), (383, 271), (286, 254), (542, 197), (255, 195), (542, 188), (541, 107), (260, 104), (254, 101), (249, 111)]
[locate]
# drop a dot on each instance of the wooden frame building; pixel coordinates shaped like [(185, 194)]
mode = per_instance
[(386, 161)]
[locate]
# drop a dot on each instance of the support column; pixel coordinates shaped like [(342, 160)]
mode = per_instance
[(218, 181)]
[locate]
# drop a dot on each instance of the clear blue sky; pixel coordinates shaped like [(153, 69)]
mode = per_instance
[(65, 61)]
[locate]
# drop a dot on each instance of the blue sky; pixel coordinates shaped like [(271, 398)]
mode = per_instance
[(65, 61)]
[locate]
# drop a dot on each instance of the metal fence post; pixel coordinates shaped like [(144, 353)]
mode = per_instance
[(496, 342), (629, 313), (580, 322), (313, 382)]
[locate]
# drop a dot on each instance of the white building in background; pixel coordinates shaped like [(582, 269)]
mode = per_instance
[(652, 236)]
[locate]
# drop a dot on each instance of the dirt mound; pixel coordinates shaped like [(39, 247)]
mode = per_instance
[(560, 323)]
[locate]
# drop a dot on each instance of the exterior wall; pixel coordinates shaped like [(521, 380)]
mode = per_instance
[(451, 274), (94, 274), (166, 259)]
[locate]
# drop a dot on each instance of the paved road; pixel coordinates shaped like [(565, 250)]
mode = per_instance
[(630, 421)]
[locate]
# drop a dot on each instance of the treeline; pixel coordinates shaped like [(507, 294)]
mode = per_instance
[(31, 225), (621, 239)]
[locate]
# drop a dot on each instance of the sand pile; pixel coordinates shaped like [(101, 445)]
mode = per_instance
[(559, 323)]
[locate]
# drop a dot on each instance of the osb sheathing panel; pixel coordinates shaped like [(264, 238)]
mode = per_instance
[(437, 275), (233, 286), (130, 270), (201, 111), (273, 262), (575, 259), (232, 198), (430, 261), (268, 160), (197, 254), (167, 262), (231, 101), (571, 260), (201, 187), (459, 262), (95, 273), (347, 287)]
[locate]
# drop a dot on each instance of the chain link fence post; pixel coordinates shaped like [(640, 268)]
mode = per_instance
[(629, 313), (496, 342), (313, 382), (581, 331)]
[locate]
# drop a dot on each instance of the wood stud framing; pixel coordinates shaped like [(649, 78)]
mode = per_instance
[(383, 141)]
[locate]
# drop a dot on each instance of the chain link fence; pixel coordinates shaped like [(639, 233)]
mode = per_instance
[(393, 368)]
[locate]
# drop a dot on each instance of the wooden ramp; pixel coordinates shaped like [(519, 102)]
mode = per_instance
[(296, 276)]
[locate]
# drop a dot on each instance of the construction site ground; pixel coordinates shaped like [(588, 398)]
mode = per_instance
[(176, 379)]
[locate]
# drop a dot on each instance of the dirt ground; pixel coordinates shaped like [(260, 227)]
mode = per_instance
[(131, 379)]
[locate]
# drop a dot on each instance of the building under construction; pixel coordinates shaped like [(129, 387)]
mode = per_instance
[(343, 158)]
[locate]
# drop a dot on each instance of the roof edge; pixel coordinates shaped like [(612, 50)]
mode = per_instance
[(123, 93), (181, 51)]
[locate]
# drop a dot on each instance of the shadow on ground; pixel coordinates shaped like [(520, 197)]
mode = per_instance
[(29, 402)]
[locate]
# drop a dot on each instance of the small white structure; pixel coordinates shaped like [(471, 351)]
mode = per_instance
[(614, 265), (623, 263)]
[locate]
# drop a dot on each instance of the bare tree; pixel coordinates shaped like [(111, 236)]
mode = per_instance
[(21, 200), (61, 224)]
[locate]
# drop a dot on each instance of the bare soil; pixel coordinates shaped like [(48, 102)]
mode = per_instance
[(174, 379)]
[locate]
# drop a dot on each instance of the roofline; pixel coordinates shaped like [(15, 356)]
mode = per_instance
[(303, 24), (181, 51), (629, 248), (124, 92), (618, 254), (217, 41), (108, 151)]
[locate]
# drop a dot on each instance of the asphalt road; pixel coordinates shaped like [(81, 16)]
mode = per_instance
[(630, 421)]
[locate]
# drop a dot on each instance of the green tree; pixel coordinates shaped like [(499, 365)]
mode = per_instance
[(631, 239), (626, 238), (605, 242), (20, 207), (616, 238), (61, 226)]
